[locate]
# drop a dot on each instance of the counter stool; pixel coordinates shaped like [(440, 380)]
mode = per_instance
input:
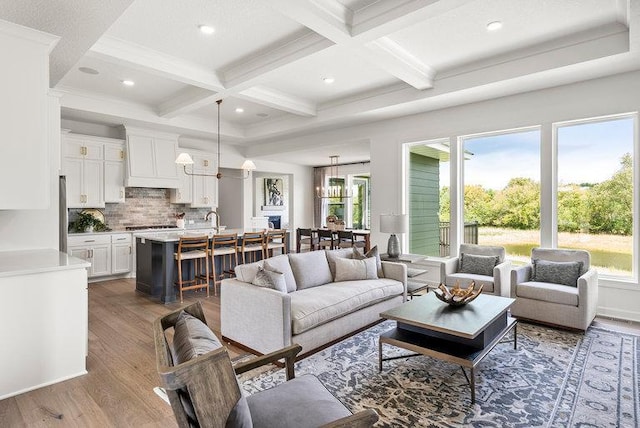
[(305, 237), (326, 239), (193, 249), (345, 239), (252, 243), (276, 238), (225, 247)]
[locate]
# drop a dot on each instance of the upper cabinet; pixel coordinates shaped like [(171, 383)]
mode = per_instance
[(199, 190), (151, 159), (114, 173), (25, 153)]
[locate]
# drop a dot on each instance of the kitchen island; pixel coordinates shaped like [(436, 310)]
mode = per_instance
[(155, 263)]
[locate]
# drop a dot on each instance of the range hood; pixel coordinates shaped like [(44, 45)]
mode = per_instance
[(151, 159)]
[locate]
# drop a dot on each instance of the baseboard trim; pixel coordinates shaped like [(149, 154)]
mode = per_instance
[(619, 314)]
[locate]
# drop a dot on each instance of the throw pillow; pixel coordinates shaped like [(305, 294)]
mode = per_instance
[(281, 264), (353, 270), (332, 255), (371, 253), (565, 273), (192, 338), (310, 269), (270, 279), (478, 265)]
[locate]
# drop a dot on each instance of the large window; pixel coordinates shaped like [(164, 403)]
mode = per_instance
[(595, 191), (502, 191), (355, 210)]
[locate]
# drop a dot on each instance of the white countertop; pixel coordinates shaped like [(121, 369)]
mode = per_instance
[(175, 235), (26, 262)]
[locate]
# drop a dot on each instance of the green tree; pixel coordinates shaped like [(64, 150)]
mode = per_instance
[(518, 204), (478, 205), (611, 202), (444, 212), (573, 214)]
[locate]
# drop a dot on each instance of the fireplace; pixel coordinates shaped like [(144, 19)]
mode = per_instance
[(275, 221)]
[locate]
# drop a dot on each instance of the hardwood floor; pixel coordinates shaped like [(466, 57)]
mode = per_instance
[(118, 390)]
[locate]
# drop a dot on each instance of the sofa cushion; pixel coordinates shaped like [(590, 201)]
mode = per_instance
[(565, 273), (314, 306), (310, 269), (548, 292), (247, 272), (371, 253), (477, 264), (281, 264), (464, 279), (300, 402), (332, 255), (352, 270), (270, 279)]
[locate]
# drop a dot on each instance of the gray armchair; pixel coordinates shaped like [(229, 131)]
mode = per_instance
[(559, 287), (201, 384), (484, 264)]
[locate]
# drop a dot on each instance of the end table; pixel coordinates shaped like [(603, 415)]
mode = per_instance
[(422, 271)]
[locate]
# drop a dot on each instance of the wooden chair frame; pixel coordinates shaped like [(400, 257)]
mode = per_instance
[(224, 246), (196, 249)]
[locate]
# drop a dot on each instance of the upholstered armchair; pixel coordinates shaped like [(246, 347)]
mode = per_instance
[(558, 287), (483, 264)]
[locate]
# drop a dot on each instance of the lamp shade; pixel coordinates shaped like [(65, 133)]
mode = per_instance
[(394, 223), (248, 165), (184, 159)]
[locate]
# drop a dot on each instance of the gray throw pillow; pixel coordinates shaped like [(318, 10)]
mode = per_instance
[(478, 265), (564, 273), (270, 279), (332, 255), (281, 264), (371, 253), (353, 270), (310, 269), (192, 338)]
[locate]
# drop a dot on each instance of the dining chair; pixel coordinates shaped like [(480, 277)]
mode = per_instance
[(305, 239), (326, 239)]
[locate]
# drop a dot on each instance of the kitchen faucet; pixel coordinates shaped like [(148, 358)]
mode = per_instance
[(206, 217)]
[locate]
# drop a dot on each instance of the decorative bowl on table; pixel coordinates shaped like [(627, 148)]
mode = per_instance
[(457, 296)]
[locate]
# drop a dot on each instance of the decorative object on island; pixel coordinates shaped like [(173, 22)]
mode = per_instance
[(333, 191), (457, 296), (180, 223), (185, 159), (394, 223)]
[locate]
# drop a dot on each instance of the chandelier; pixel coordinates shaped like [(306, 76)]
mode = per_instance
[(185, 159), (333, 191)]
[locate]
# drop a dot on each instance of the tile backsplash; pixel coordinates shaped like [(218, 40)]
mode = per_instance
[(146, 206)]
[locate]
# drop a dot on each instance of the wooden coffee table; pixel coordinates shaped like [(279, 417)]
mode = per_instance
[(461, 335)]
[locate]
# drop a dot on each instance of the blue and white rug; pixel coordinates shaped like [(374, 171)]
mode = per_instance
[(554, 379)]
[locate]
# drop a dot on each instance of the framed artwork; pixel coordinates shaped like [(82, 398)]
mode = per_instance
[(273, 192)]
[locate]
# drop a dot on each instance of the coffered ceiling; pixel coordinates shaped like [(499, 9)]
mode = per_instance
[(272, 58)]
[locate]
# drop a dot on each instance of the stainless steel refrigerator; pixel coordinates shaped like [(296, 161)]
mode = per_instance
[(63, 217)]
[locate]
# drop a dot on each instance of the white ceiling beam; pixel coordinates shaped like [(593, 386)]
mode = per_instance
[(125, 53), (243, 72), (280, 100), (389, 56), (317, 15), (191, 98)]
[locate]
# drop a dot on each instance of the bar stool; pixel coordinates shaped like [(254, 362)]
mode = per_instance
[(326, 239), (225, 247), (305, 237), (276, 238), (345, 239), (194, 249), (252, 243)]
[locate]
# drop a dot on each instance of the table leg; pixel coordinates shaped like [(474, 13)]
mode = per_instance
[(379, 355), (515, 336), (472, 383)]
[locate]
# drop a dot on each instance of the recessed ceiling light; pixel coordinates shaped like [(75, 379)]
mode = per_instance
[(128, 82), (494, 25), (328, 80), (88, 70), (239, 110), (206, 29)]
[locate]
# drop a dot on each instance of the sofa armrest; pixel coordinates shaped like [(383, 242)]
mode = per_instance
[(257, 317), (448, 267), (518, 275), (397, 271), (588, 292), (501, 275)]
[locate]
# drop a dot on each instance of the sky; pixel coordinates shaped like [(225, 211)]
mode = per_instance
[(587, 153)]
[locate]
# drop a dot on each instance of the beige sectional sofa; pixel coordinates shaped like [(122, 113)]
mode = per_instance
[(315, 309)]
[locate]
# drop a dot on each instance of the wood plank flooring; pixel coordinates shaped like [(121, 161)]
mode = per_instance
[(118, 390)]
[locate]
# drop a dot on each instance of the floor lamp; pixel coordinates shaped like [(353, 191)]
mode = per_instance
[(394, 223)]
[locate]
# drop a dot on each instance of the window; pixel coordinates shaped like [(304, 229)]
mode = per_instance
[(355, 211), (595, 191), (502, 191)]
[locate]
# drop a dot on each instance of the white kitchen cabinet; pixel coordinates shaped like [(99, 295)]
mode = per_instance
[(114, 173), (84, 182), (205, 187), (121, 253), (151, 159), (96, 249), (183, 194)]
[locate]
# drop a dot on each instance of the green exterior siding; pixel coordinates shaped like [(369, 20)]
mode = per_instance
[(424, 195)]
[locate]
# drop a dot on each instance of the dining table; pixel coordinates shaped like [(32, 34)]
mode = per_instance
[(365, 234)]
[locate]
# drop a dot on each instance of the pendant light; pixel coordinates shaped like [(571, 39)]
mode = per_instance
[(333, 191)]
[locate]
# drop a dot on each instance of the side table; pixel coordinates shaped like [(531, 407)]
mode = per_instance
[(423, 272)]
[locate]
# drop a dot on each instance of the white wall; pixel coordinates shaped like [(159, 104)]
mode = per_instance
[(606, 96)]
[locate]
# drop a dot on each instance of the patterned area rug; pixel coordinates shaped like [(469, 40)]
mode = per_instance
[(554, 379)]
